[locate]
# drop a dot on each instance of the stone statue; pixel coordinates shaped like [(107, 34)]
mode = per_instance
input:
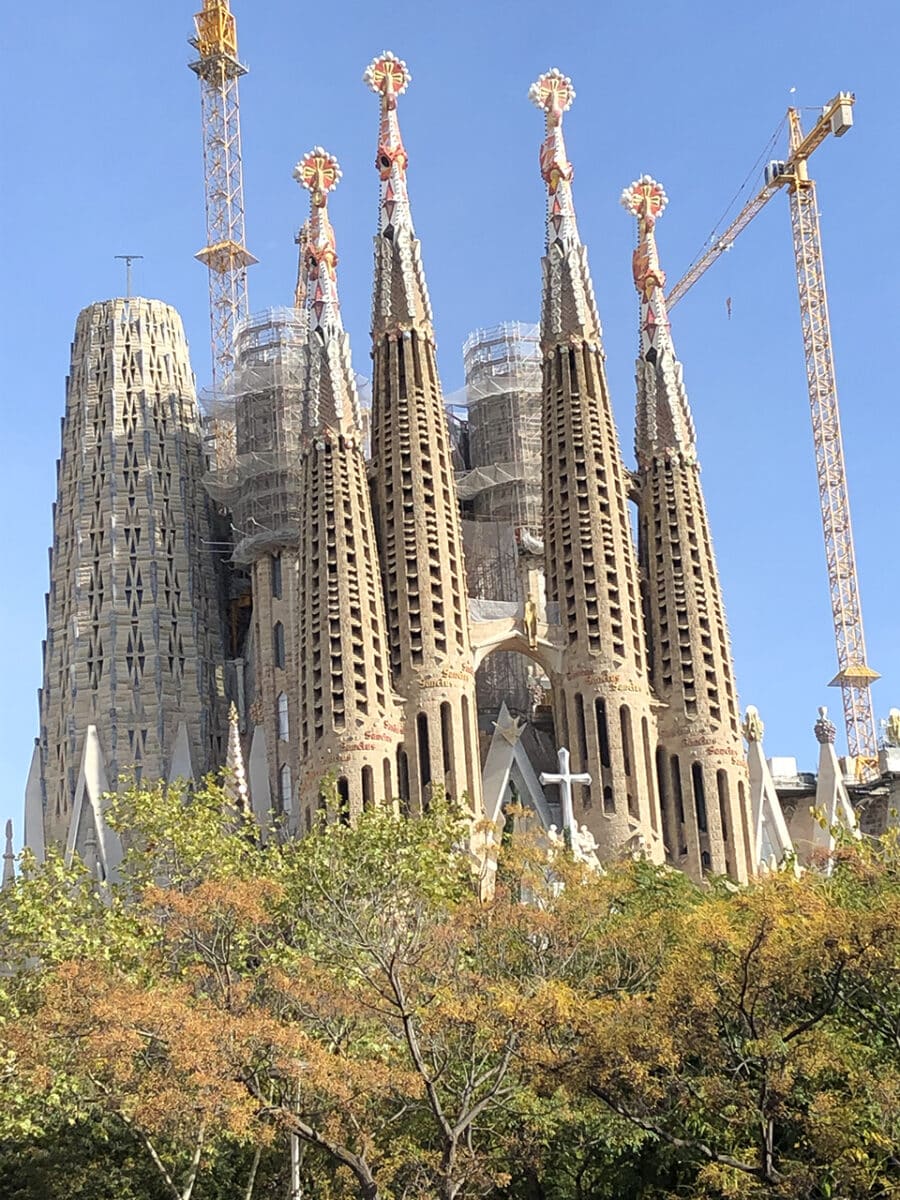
[(892, 728), (530, 623)]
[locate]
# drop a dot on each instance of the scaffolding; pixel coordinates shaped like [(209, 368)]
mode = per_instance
[(503, 391), (263, 403)]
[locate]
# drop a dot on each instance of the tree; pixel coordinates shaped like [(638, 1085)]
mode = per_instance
[(626, 1034)]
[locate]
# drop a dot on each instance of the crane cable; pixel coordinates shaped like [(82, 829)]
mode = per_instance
[(764, 156)]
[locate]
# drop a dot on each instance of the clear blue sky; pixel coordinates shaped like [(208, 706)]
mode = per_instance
[(101, 156)]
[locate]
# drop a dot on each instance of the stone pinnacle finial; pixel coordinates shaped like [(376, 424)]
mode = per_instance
[(824, 729), (9, 858), (752, 727), (400, 294)]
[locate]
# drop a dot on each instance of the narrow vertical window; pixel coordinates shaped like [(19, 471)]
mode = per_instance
[(284, 788), (368, 788), (424, 752), (699, 796), (677, 790), (276, 576), (278, 644), (446, 737), (343, 789), (284, 731)]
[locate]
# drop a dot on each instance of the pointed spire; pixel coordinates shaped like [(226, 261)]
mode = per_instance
[(772, 841), (664, 422), (331, 400), (832, 798), (9, 859), (236, 779), (400, 300), (569, 310)]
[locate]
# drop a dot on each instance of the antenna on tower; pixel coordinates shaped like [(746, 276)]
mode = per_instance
[(129, 259)]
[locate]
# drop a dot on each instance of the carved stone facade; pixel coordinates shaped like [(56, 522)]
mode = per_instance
[(604, 709), (133, 631), (416, 509), (700, 762)]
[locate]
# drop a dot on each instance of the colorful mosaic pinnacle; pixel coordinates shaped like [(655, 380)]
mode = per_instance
[(389, 77), (319, 172)]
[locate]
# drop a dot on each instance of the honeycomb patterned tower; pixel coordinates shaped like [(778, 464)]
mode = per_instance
[(133, 628), (603, 706), (702, 772)]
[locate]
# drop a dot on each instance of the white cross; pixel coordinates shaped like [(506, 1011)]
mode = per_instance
[(565, 779)]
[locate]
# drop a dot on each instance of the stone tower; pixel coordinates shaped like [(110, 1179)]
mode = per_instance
[(603, 707), (415, 502), (131, 660), (350, 724), (700, 763)]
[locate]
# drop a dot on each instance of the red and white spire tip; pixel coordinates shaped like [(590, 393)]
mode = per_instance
[(387, 75), (552, 92), (645, 199), (318, 172)]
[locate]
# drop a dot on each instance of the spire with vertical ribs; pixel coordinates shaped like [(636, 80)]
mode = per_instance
[(702, 773), (349, 722), (569, 308), (331, 398), (400, 298), (414, 494), (664, 423), (603, 707)]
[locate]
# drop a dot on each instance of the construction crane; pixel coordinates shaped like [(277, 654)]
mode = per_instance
[(854, 674), (225, 253)]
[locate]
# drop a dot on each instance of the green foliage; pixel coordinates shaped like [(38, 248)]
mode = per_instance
[(626, 1035)]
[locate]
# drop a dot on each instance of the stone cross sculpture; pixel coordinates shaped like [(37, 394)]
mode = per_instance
[(565, 779)]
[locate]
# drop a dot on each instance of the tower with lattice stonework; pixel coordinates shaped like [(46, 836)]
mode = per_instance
[(700, 763), (133, 650)]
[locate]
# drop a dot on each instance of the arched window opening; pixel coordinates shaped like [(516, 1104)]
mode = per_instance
[(446, 737), (424, 751), (368, 788), (602, 731), (403, 779), (677, 791), (699, 796), (343, 790), (284, 787), (722, 787), (648, 768), (609, 804), (276, 576), (665, 799), (278, 644), (283, 721), (388, 787)]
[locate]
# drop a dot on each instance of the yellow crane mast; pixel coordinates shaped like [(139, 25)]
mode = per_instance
[(854, 675), (225, 253)]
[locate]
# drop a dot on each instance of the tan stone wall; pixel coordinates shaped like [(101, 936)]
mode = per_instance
[(133, 627)]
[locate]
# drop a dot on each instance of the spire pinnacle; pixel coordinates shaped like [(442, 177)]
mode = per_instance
[(332, 400), (319, 172), (569, 308), (664, 424), (8, 877), (401, 297), (389, 77)]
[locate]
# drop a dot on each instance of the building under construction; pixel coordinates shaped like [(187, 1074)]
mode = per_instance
[(449, 613)]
